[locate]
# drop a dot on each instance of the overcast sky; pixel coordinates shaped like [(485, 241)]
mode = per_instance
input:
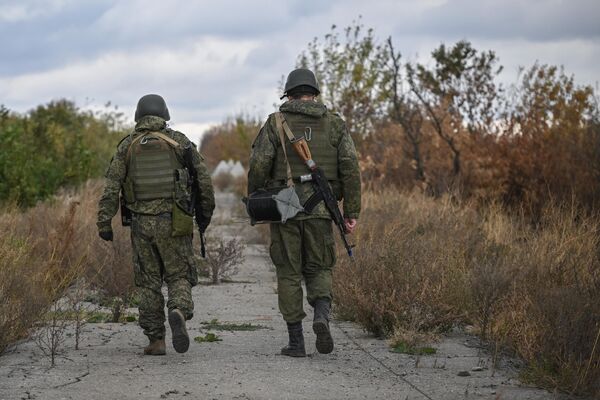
[(213, 59)]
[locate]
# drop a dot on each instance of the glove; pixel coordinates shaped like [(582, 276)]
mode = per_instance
[(203, 224), (106, 235)]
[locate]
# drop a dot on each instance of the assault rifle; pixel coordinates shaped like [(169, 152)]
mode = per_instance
[(195, 208), (323, 192), (319, 181)]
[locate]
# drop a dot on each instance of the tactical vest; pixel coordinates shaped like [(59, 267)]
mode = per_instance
[(151, 166), (318, 136)]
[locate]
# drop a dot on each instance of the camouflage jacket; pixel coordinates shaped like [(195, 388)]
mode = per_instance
[(117, 172), (264, 148)]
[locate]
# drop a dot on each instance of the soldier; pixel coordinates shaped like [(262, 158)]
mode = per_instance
[(152, 169), (304, 246)]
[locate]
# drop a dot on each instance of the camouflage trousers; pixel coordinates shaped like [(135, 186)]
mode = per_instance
[(302, 249), (158, 257)]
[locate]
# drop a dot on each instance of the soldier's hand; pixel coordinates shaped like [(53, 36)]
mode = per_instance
[(106, 235), (349, 225)]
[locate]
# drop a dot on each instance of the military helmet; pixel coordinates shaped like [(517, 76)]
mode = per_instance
[(301, 77), (152, 104)]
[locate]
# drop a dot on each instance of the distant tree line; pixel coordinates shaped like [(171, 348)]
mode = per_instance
[(53, 146), (230, 140), (447, 125)]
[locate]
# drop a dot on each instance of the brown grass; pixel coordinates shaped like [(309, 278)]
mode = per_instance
[(43, 250), (426, 265)]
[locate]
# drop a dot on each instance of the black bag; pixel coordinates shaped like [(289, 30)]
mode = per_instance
[(261, 206)]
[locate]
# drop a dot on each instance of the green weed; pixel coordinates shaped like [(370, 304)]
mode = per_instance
[(208, 338), (405, 348), (225, 326)]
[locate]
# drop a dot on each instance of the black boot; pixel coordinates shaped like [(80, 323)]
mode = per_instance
[(295, 347), (324, 342)]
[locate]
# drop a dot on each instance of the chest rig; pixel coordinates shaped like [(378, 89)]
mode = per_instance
[(152, 165), (317, 134)]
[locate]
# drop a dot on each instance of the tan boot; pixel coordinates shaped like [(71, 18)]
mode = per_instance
[(156, 348)]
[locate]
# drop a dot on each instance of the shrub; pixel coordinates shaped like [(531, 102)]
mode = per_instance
[(45, 249), (424, 266)]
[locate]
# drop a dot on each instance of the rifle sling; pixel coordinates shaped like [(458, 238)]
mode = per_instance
[(281, 125), (312, 201)]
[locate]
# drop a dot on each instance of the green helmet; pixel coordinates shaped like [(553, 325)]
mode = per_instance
[(301, 78), (152, 104)]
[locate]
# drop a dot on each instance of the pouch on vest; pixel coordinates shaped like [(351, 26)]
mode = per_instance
[(127, 189), (182, 193), (183, 222)]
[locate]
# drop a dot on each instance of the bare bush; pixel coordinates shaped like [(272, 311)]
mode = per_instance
[(50, 338), (223, 257), (75, 298)]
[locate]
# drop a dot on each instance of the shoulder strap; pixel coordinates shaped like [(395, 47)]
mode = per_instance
[(281, 125), (166, 139), (139, 137)]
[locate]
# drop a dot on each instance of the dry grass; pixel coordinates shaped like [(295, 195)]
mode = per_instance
[(43, 250), (425, 265)]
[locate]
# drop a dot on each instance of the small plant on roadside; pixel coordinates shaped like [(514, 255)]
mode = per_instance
[(50, 338), (75, 298), (223, 257), (410, 341), (225, 326), (405, 348), (208, 338)]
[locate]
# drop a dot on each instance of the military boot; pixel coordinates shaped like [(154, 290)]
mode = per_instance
[(324, 342), (181, 340), (155, 348), (295, 347)]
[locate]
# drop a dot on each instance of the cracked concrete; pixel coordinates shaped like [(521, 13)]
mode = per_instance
[(246, 364)]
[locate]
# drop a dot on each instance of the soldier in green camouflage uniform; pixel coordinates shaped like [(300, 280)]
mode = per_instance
[(304, 246), (149, 171)]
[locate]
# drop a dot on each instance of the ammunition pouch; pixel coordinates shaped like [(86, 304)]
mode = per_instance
[(182, 220), (127, 189)]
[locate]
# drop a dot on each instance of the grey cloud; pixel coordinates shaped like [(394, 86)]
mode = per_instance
[(534, 20), (81, 30), (241, 76)]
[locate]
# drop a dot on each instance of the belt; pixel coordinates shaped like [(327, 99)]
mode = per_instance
[(166, 215)]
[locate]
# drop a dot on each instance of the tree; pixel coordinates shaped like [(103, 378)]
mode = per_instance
[(458, 92), (551, 132), (352, 74), (405, 110)]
